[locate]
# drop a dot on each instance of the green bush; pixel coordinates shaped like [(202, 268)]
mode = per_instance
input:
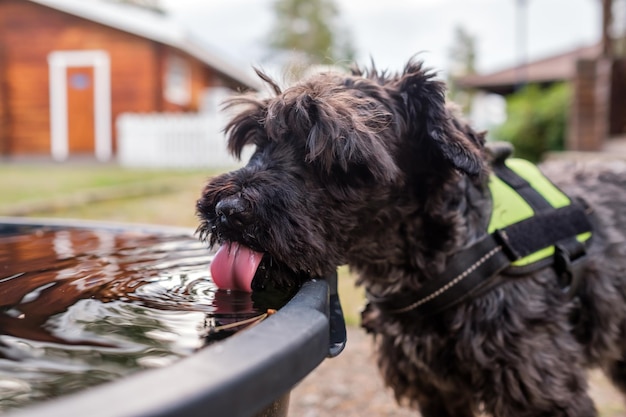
[(536, 121)]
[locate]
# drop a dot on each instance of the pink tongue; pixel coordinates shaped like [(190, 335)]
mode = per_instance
[(234, 266)]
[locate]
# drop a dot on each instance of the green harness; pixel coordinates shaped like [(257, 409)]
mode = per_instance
[(533, 225), (510, 207)]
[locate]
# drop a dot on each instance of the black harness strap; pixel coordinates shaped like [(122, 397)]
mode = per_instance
[(543, 230), (459, 281), (473, 270), (470, 271), (523, 187)]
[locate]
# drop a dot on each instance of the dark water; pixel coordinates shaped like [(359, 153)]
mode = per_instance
[(80, 307)]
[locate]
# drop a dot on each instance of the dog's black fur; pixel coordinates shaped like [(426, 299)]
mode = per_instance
[(375, 171)]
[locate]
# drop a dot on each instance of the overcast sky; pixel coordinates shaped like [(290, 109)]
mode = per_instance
[(391, 31)]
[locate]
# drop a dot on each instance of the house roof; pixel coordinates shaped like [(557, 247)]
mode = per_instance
[(151, 25), (555, 68)]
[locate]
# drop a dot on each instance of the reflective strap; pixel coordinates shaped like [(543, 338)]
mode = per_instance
[(544, 230), (472, 270)]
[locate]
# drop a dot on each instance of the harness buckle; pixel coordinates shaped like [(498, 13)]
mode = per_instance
[(568, 263), (502, 238)]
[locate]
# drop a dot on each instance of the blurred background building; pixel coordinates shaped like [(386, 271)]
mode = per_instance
[(595, 75), (70, 68), (139, 82)]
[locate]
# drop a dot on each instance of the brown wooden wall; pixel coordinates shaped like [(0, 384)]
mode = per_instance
[(598, 109), (29, 32), (581, 122), (588, 121), (4, 122), (618, 99)]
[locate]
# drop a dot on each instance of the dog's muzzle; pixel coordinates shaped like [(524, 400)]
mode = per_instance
[(233, 212)]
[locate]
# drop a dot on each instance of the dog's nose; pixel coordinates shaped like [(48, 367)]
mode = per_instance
[(233, 212)]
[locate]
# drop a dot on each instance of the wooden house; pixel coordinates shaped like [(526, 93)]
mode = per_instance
[(68, 68), (545, 71)]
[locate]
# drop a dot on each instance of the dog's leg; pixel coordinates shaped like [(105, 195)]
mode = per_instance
[(415, 385), (546, 382), (433, 403)]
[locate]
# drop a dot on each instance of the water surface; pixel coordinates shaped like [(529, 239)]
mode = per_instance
[(79, 307)]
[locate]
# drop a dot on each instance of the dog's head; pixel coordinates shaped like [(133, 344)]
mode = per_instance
[(338, 161)]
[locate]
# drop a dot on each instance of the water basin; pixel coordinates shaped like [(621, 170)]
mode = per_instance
[(82, 304)]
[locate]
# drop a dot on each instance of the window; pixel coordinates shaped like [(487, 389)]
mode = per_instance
[(177, 81)]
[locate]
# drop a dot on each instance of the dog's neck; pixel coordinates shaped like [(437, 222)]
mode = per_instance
[(459, 216)]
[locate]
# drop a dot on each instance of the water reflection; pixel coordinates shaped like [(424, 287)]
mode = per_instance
[(79, 307)]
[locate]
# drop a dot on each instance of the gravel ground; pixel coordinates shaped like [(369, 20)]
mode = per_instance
[(346, 386), (350, 386)]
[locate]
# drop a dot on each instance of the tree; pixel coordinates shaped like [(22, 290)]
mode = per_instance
[(537, 120), (310, 29), (463, 53), (462, 62)]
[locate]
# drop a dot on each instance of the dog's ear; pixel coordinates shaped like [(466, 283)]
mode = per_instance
[(246, 128), (428, 117), (342, 131)]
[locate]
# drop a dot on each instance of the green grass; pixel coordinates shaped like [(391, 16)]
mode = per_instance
[(56, 191), (29, 182), (101, 193), (352, 297)]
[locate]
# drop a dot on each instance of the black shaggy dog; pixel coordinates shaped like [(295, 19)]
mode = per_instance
[(374, 170)]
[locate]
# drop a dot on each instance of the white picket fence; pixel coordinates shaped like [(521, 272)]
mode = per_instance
[(173, 140)]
